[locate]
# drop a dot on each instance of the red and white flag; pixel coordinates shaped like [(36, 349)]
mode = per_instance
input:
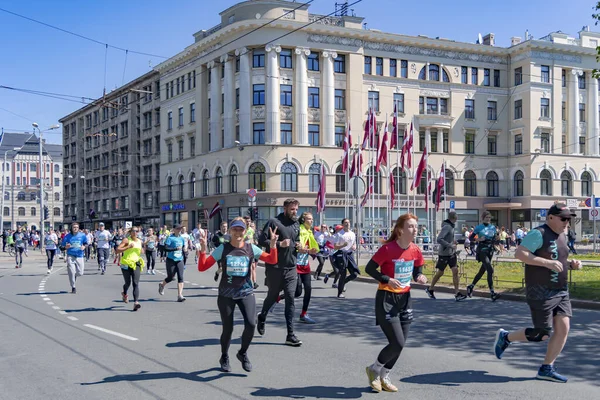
[(356, 168), (370, 182), (394, 138), (428, 194), (420, 168), (322, 187), (392, 189), (382, 158), (440, 188), (409, 145), (347, 146), (215, 210), (367, 136)]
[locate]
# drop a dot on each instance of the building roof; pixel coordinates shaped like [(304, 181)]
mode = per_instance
[(29, 144)]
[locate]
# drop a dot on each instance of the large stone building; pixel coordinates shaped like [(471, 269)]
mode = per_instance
[(111, 156), (22, 173)]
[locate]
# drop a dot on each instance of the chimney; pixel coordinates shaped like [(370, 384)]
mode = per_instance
[(489, 39), (515, 40)]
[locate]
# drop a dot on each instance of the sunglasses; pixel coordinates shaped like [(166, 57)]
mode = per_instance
[(563, 219), (136, 231)]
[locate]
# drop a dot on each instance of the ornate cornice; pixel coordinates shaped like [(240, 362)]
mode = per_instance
[(544, 55)]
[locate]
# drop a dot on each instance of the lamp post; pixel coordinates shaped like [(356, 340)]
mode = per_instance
[(3, 186), (41, 174)]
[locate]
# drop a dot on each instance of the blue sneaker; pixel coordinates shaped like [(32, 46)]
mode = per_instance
[(501, 343), (548, 373), (306, 319)]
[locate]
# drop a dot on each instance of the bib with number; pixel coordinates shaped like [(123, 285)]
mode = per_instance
[(237, 265), (302, 259), (403, 271)]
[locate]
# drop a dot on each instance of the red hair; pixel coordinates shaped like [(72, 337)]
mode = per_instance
[(397, 231)]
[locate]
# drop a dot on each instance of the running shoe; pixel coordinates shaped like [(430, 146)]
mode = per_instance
[(137, 307), (161, 288), (260, 325), (246, 364), (501, 343), (124, 297), (341, 296), (292, 340), (102, 273), (73, 291), (387, 385), (459, 297), (180, 299), (374, 380), (549, 373), (216, 276), (470, 290), (256, 286), (430, 293), (326, 278), (224, 361), (49, 272), (494, 296), (148, 272), (307, 319), (334, 286), (153, 272)]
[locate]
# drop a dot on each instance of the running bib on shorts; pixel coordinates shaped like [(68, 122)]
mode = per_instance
[(237, 265), (403, 271), (302, 259), (178, 254)]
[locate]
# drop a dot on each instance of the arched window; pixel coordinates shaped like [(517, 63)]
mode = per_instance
[(586, 184), (32, 196), (233, 175), (57, 211), (492, 184), (566, 184), (6, 212), (289, 177), (399, 181), (422, 73), (434, 72), (33, 211), (56, 196), (340, 180), (314, 177), (470, 183), (546, 183), (193, 185), (170, 189), (180, 185), (518, 182), (257, 177), (376, 177), (449, 182), (21, 211), (205, 180), (6, 195), (21, 196), (219, 181), (56, 169), (422, 188)]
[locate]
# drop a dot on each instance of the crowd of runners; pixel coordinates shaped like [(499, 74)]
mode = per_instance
[(287, 243)]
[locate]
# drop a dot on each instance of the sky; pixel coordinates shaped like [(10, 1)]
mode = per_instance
[(39, 58)]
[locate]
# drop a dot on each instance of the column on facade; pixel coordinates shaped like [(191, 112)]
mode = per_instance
[(229, 100), (245, 82), (573, 102), (272, 94), (215, 107), (593, 128), (201, 99), (427, 71), (441, 74), (428, 139), (328, 98), (440, 140), (301, 96)]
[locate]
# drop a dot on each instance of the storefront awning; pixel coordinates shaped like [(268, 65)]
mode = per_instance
[(503, 205)]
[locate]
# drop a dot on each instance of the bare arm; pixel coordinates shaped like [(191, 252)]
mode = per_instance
[(123, 246), (524, 255)]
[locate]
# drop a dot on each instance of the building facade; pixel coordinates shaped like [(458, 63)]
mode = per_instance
[(111, 157), (22, 176)]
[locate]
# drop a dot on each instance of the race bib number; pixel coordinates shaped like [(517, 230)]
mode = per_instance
[(76, 244), (403, 271), (49, 242), (150, 245), (237, 265), (302, 259), (178, 254)]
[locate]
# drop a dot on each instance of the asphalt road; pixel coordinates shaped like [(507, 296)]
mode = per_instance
[(56, 345)]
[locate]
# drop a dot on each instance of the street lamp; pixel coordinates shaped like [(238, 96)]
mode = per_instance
[(41, 174), (3, 186)]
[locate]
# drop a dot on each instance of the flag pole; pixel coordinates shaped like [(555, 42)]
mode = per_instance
[(445, 194), (412, 149), (398, 168)]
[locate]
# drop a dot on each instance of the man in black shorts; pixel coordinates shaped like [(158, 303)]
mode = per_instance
[(447, 257), (545, 251)]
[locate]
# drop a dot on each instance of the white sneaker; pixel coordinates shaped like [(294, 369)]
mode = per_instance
[(153, 272), (148, 272)]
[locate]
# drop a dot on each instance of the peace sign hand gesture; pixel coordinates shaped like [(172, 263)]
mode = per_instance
[(273, 237), (202, 240)]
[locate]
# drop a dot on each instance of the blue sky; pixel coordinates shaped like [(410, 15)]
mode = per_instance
[(39, 58)]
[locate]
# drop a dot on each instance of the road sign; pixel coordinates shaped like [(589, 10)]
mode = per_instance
[(251, 192), (452, 204), (128, 224), (588, 202), (594, 215), (543, 213), (572, 203), (357, 186)]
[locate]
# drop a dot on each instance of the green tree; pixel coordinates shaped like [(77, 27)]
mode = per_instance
[(596, 16)]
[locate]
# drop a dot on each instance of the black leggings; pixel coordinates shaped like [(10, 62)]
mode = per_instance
[(132, 276), (151, 257), (247, 306), (304, 280), (19, 255), (321, 260), (486, 265), (174, 267), (50, 253), (396, 333)]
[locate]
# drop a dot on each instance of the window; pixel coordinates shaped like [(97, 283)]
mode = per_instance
[(545, 73), (286, 133), (180, 148), (474, 77), (518, 76), (257, 177), (492, 145), (563, 144), (180, 116), (258, 95), (486, 77), (449, 176), (566, 184), (258, 59), (404, 68), (375, 177), (374, 101), (496, 78), (422, 136), (423, 184), (170, 152), (314, 177), (285, 58), (339, 64), (170, 120), (340, 99), (192, 112), (219, 181), (492, 184), (434, 72), (258, 136), (289, 177), (464, 75), (399, 102), (286, 95), (340, 180), (56, 196), (192, 146), (399, 181), (564, 110), (313, 62), (470, 108), (581, 80), (379, 66), (313, 97), (32, 196), (469, 143), (180, 186), (564, 78), (545, 108), (6, 212), (545, 183), (491, 110), (237, 64), (434, 143), (586, 184), (56, 211), (205, 182), (423, 74), (237, 98), (21, 211), (169, 190), (581, 144), (233, 175), (518, 182), (581, 112), (545, 142), (340, 134), (393, 68), (367, 65), (518, 144), (432, 105), (313, 135), (518, 109), (444, 142)]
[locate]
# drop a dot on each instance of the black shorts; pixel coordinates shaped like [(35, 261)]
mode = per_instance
[(543, 311), (174, 268), (445, 261), (389, 306)]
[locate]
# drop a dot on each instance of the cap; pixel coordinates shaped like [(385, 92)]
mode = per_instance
[(238, 224), (317, 229), (177, 226), (338, 227), (561, 210), (101, 224)]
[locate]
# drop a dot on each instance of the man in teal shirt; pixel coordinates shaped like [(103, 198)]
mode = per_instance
[(174, 246)]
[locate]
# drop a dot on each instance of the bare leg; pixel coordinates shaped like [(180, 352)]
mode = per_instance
[(561, 325), (455, 280), (438, 274), (180, 289)]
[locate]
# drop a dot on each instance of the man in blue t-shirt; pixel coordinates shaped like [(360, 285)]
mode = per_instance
[(75, 243), (174, 246), (485, 234)]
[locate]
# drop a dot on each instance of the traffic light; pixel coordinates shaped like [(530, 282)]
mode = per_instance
[(45, 213)]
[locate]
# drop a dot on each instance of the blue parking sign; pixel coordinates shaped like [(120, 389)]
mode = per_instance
[(543, 213), (452, 204)]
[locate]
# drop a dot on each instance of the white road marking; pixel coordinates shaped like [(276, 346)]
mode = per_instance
[(186, 281), (73, 318), (50, 303), (194, 284), (62, 312), (110, 332), (216, 290), (47, 299), (56, 307)]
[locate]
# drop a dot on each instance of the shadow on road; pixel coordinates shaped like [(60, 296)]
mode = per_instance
[(317, 392), (93, 309), (216, 342), (38, 293), (194, 376), (456, 378)]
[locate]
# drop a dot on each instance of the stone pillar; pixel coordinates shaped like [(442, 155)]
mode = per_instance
[(427, 71), (573, 103), (440, 134), (215, 107), (229, 100), (301, 97), (272, 94), (593, 128), (245, 91), (328, 99), (428, 139)]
